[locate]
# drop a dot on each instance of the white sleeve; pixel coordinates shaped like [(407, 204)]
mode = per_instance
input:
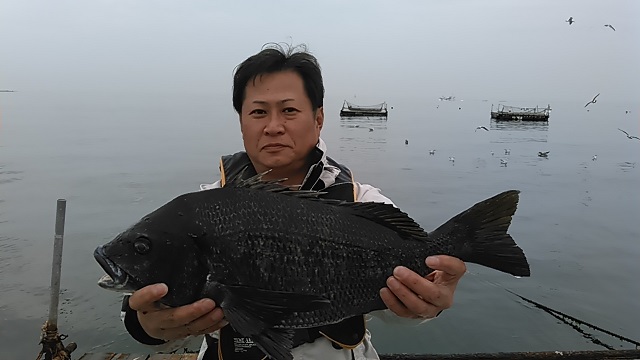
[(368, 193), (215, 185)]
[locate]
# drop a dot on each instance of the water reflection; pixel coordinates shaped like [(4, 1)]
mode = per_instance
[(519, 131), (362, 138), (375, 123)]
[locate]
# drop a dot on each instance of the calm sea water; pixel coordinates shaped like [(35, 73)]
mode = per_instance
[(577, 219)]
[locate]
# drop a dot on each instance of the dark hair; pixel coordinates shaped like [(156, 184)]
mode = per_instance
[(274, 58)]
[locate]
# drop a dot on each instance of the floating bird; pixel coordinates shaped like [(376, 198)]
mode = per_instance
[(593, 101), (491, 152), (482, 127), (431, 152), (570, 20), (543, 154), (507, 151), (406, 142), (503, 162), (629, 136), (626, 111), (594, 158), (612, 28), (370, 129)]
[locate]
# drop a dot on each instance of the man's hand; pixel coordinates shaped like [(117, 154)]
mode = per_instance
[(410, 295), (162, 322)]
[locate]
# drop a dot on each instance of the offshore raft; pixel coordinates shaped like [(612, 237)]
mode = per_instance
[(353, 110), (515, 113)]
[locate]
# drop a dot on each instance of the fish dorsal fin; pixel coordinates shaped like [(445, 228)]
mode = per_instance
[(388, 216), (257, 183), (383, 214)]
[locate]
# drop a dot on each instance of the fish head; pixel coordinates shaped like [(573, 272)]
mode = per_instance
[(160, 248)]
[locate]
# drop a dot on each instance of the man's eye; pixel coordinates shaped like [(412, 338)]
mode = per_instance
[(257, 112), (290, 110)]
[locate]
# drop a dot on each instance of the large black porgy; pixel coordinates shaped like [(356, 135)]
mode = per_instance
[(276, 259)]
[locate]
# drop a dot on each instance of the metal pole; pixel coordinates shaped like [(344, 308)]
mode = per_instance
[(57, 263)]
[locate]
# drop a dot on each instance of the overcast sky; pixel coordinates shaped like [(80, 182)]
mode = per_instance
[(375, 50)]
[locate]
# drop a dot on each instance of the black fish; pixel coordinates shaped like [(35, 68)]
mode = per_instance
[(276, 259)]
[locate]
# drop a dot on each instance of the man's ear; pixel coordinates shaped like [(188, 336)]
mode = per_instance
[(320, 117)]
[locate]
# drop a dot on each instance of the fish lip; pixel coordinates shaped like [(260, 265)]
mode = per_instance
[(116, 278)]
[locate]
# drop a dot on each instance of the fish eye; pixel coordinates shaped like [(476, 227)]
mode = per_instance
[(142, 245)]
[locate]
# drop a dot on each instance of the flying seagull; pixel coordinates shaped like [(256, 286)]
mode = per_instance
[(507, 151), (503, 162), (482, 127), (593, 101), (609, 25), (543, 154), (432, 152), (570, 20), (629, 136)]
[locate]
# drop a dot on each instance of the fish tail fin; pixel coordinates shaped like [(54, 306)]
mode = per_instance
[(480, 235)]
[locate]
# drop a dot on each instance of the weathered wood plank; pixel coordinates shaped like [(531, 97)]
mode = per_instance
[(543, 355)]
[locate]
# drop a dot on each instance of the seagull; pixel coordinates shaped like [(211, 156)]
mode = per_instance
[(612, 28), (570, 20), (593, 101), (452, 159), (594, 158), (491, 152), (507, 151), (629, 136), (543, 154), (482, 127), (370, 129), (503, 162), (431, 152), (406, 142)]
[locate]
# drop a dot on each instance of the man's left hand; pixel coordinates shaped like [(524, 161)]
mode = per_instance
[(411, 295)]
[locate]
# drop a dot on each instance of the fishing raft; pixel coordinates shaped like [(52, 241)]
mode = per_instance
[(504, 112), (353, 110)]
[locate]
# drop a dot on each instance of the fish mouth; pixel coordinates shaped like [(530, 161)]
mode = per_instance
[(116, 279)]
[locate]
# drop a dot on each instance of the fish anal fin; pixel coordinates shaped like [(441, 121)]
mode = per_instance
[(276, 343)]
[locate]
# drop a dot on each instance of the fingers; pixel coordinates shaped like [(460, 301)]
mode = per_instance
[(162, 322), (419, 295), (453, 268), (188, 320), (145, 299), (404, 303)]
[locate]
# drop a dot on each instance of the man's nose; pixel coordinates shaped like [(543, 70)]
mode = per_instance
[(275, 124)]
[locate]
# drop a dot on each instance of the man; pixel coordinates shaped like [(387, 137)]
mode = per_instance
[(278, 95)]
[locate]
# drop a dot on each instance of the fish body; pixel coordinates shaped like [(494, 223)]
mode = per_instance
[(277, 259)]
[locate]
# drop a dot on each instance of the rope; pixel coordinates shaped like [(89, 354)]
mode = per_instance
[(563, 317)]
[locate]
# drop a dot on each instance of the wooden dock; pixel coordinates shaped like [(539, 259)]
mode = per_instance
[(546, 355)]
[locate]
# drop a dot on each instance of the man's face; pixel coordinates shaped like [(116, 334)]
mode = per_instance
[(279, 127)]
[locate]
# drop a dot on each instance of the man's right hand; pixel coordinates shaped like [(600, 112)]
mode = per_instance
[(162, 322)]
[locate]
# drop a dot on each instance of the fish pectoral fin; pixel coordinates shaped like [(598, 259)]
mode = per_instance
[(251, 310), (276, 343)]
